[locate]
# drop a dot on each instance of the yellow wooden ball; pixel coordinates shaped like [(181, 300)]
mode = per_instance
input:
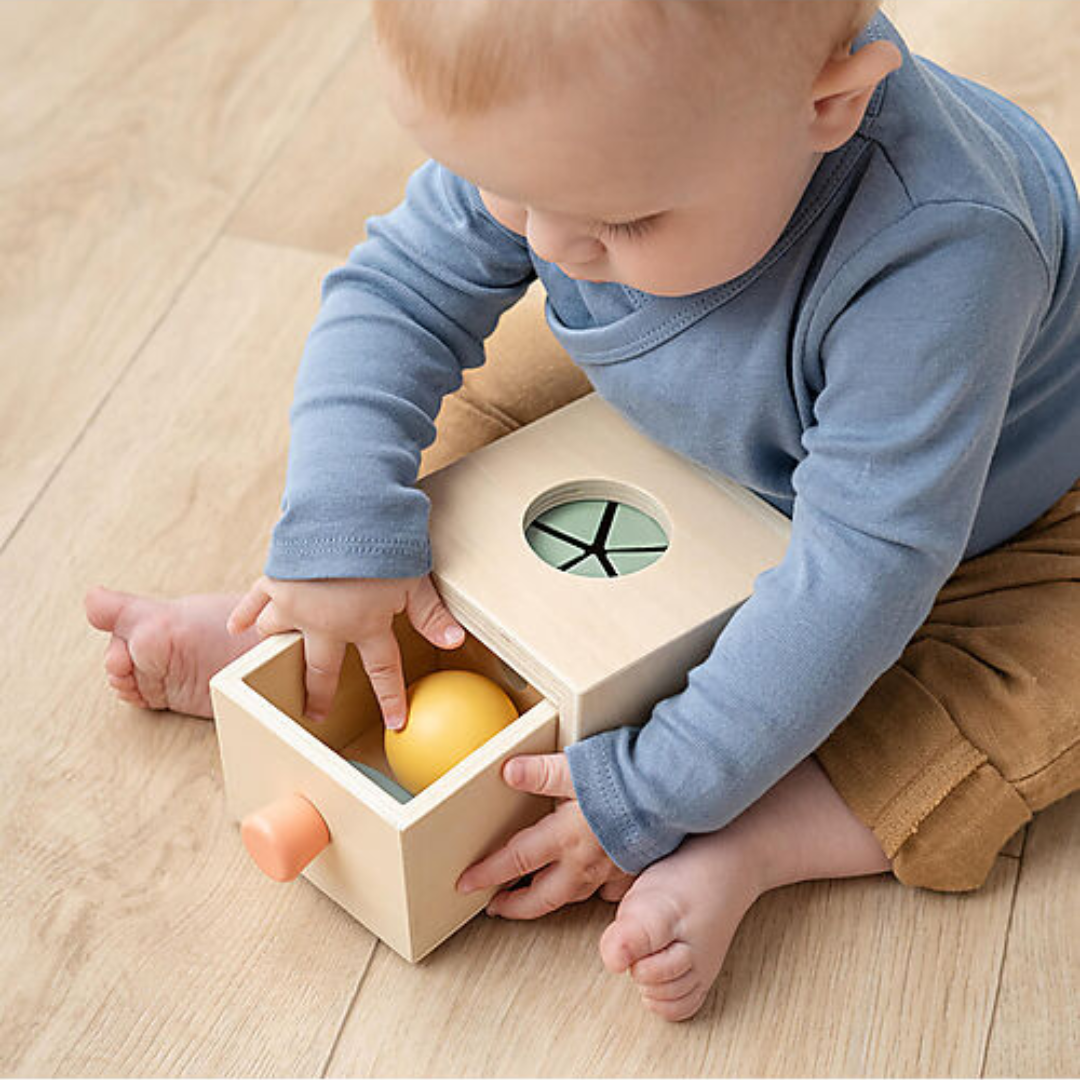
[(450, 714)]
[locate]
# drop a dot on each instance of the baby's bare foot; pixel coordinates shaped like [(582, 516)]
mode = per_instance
[(163, 652), (675, 924)]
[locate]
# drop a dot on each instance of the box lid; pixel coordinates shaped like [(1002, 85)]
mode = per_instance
[(580, 636)]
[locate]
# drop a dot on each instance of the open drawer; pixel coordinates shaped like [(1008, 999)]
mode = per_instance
[(392, 865)]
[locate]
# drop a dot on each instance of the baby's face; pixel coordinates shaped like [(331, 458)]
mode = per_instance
[(635, 183)]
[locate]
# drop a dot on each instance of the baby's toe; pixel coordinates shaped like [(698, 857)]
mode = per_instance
[(118, 659), (127, 689), (103, 606), (644, 924), (682, 1008), (663, 966), (151, 648), (673, 989), (125, 684)]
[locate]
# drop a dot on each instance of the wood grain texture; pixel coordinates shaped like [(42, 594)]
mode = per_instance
[(349, 160), (1036, 1029), (129, 133), (139, 939), (852, 978)]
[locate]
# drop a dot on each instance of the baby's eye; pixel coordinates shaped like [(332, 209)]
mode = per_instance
[(628, 230)]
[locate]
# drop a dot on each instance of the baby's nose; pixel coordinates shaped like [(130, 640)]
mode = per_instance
[(558, 239)]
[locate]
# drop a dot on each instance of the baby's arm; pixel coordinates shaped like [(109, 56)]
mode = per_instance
[(398, 325), (920, 334)]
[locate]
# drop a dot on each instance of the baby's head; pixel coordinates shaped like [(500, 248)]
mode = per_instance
[(662, 144)]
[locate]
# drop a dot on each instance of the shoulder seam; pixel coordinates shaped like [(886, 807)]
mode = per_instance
[(1008, 215), (916, 205), (1048, 297)]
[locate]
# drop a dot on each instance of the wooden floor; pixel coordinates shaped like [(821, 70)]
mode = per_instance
[(176, 178)]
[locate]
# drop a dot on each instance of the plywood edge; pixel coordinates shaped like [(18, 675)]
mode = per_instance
[(431, 856), (258, 655), (485, 627), (417, 952)]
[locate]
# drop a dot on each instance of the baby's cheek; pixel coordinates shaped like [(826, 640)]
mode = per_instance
[(665, 269), (652, 269)]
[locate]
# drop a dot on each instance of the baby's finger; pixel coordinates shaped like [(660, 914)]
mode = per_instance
[(323, 657), (525, 851), (549, 891), (272, 621), (243, 616), (541, 774), (382, 662)]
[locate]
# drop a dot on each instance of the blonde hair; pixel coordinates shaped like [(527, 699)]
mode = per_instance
[(463, 56)]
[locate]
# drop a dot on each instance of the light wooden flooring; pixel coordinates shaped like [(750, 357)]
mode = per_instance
[(176, 178)]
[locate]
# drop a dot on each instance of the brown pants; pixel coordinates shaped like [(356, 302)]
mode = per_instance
[(973, 729), (977, 725)]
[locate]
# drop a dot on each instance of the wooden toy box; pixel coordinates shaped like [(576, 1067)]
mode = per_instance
[(577, 654)]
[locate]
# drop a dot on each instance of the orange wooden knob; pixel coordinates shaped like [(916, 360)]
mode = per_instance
[(284, 836)]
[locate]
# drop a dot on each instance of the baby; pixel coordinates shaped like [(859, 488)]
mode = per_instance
[(792, 252)]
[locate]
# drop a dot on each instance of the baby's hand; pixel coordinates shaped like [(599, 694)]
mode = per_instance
[(330, 613), (575, 865)]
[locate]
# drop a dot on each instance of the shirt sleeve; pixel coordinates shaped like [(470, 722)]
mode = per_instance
[(397, 326), (919, 336)]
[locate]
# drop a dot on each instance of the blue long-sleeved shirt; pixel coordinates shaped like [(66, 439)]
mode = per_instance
[(900, 375)]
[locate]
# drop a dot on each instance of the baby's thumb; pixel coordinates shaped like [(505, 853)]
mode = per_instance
[(432, 617)]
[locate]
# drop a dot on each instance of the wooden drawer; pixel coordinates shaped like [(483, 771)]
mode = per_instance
[(392, 865)]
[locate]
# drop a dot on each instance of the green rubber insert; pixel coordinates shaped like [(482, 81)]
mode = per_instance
[(550, 548), (579, 519), (589, 567), (630, 563), (596, 538), (632, 528)]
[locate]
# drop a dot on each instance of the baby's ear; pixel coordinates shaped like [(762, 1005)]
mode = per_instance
[(842, 90)]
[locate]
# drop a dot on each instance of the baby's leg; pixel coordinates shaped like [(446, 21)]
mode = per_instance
[(677, 919), (163, 652)]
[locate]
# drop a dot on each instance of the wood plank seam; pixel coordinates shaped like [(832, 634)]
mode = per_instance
[(137, 352), (347, 1011), (302, 120), (181, 286), (988, 1037)]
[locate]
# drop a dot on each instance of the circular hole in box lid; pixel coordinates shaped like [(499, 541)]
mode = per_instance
[(594, 535)]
